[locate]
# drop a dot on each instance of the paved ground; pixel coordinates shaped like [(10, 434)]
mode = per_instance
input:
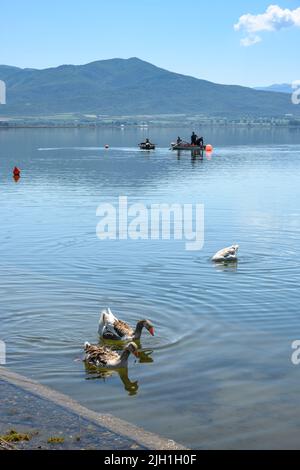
[(44, 414)]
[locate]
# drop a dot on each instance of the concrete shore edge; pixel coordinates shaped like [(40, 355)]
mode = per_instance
[(147, 439)]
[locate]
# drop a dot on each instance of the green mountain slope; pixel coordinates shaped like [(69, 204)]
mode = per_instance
[(131, 86)]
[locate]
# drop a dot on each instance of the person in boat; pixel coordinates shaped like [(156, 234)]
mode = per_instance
[(179, 140), (200, 142), (194, 138), (147, 143)]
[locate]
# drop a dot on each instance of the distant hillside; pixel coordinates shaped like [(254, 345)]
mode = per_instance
[(282, 88), (130, 86)]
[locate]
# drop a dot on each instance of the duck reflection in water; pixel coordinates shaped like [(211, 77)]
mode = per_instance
[(226, 266), (144, 354), (94, 373), (144, 357)]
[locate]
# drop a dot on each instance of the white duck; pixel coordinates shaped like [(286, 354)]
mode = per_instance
[(112, 328), (102, 356), (227, 254)]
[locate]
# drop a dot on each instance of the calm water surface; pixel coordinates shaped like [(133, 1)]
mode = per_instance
[(220, 372)]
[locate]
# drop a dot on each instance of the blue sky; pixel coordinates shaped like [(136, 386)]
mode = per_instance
[(187, 36)]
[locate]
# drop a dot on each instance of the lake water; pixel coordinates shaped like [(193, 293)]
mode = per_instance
[(220, 373)]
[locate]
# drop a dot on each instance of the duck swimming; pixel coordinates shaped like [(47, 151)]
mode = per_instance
[(102, 356), (112, 328), (227, 254)]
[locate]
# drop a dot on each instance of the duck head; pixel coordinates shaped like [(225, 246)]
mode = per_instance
[(148, 325), (139, 327)]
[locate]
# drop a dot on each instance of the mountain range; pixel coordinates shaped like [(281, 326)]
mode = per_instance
[(131, 87)]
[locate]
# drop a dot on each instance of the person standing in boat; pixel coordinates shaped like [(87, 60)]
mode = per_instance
[(179, 140), (194, 138)]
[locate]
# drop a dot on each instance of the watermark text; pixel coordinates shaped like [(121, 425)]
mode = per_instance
[(296, 93), (156, 222), (2, 92), (296, 354), (2, 353)]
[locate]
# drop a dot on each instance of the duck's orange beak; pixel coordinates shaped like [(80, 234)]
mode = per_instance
[(151, 331)]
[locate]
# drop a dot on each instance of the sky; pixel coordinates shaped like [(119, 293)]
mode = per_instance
[(205, 39)]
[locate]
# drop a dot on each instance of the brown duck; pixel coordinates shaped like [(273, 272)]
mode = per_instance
[(102, 356), (112, 328)]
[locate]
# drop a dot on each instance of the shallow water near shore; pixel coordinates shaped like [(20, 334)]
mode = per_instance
[(218, 373)]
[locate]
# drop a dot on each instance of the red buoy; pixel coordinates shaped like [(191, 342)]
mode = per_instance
[(209, 148), (17, 171)]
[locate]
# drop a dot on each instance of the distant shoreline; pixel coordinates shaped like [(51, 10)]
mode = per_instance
[(152, 126)]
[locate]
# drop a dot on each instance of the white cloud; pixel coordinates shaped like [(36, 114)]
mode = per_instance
[(274, 19), (250, 41)]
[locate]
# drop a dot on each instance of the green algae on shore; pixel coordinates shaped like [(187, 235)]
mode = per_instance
[(14, 436), (56, 440)]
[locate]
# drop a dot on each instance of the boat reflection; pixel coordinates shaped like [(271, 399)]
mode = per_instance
[(196, 154), (16, 178)]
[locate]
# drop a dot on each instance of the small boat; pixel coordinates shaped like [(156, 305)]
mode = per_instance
[(147, 146), (16, 171), (186, 146)]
